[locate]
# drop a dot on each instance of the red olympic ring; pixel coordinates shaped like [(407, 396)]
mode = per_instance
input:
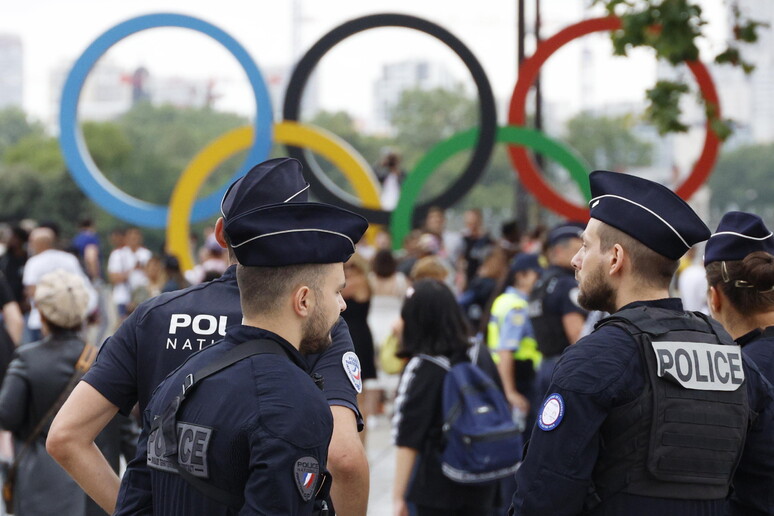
[(525, 165)]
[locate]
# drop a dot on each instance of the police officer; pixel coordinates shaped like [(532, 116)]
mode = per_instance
[(241, 426), (511, 339), (739, 260), (164, 331), (647, 414), (556, 317)]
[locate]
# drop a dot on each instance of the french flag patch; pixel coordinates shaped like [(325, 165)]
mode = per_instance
[(305, 473)]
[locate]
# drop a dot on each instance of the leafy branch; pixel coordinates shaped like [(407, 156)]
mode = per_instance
[(672, 28)]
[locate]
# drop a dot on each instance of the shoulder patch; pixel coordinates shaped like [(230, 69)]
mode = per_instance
[(552, 412), (306, 472), (351, 364)]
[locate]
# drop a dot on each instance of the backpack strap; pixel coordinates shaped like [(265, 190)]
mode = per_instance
[(440, 361), (167, 422)]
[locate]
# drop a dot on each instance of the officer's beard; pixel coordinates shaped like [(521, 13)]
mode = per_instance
[(596, 293), (316, 334)]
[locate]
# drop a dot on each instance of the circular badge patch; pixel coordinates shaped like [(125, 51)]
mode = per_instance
[(551, 413), (354, 372)]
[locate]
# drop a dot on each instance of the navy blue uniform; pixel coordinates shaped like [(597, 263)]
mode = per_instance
[(602, 371), (164, 331), (753, 485), (245, 429)]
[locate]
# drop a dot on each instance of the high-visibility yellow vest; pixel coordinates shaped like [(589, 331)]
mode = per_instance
[(502, 306)]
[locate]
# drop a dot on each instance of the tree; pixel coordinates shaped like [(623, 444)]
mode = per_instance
[(672, 28), (14, 126), (742, 181), (607, 142)]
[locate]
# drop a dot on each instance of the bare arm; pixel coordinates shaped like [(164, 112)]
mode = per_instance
[(348, 463), (91, 260), (14, 321), (404, 464), (508, 376), (71, 443), (573, 325)]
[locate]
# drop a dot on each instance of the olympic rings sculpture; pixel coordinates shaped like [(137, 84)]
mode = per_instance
[(301, 138)]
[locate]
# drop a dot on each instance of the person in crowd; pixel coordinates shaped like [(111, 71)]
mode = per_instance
[(125, 269), (739, 262), (38, 375), (476, 245), (357, 294), (430, 267), (154, 272), (434, 331), (87, 247), (46, 258), (163, 332), (451, 241), (510, 239), (633, 422), (175, 278), (692, 283), (12, 265), (391, 176), (556, 317), (388, 289), (259, 422), (512, 341), (482, 288), (213, 262)]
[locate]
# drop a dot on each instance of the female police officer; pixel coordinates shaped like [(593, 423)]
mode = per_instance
[(740, 273)]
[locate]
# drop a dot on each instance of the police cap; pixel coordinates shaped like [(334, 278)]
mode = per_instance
[(738, 235), (564, 231), (647, 211)]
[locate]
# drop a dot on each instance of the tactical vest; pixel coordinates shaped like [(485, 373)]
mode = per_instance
[(683, 436), (501, 307), (548, 328)]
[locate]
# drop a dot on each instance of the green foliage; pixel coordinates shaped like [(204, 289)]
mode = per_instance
[(607, 142), (742, 181), (672, 28), (14, 126)]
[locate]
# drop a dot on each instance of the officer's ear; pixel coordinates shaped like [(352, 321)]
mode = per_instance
[(714, 301), (617, 257), (302, 301), (220, 235)]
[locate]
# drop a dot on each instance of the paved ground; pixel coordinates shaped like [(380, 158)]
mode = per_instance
[(381, 458)]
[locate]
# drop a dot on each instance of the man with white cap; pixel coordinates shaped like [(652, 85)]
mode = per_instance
[(250, 431), (647, 414)]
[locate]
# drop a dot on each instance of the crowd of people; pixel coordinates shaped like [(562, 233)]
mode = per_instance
[(632, 401)]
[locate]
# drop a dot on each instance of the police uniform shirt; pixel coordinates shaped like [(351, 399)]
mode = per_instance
[(164, 331), (260, 428), (753, 485), (563, 298), (417, 424), (515, 326), (601, 371)]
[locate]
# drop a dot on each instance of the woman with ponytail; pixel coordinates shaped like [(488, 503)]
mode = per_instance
[(739, 260)]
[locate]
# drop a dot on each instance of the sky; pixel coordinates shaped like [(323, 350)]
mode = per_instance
[(55, 32)]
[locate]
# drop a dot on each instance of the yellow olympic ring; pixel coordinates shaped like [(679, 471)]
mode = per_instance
[(337, 151)]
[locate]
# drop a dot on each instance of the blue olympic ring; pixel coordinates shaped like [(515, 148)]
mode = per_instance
[(76, 155)]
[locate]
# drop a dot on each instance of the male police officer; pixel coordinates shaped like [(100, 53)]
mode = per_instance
[(164, 331), (556, 317), (249, 433), (647, 414)]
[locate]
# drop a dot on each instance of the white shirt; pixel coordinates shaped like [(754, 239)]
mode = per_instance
[(49, 261), (125, 260), (692, 285)]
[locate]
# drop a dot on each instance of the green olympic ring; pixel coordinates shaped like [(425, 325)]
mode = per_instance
[(400, 222)]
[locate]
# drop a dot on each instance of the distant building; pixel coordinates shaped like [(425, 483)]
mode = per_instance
[(11, 65), (399, 77)]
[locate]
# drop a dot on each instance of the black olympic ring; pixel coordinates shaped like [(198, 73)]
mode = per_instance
[(321, 184)]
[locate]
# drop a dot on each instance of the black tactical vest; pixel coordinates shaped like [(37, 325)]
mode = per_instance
[(548, 328), (683, 436)]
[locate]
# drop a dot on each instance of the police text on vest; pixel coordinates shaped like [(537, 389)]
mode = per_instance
[(700, 366)]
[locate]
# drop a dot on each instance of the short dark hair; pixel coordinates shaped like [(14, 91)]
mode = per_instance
[(652, 268), (384, 264), (746, 283), (262, 289), (433, 322)]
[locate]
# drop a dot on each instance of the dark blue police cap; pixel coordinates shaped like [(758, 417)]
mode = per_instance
[(294, 233), (564, 231), (526, 262), (271, 182), (647, 211), (738, 235)]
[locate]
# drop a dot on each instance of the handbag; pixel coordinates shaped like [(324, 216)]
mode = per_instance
[(390, 363), (81, 366)]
